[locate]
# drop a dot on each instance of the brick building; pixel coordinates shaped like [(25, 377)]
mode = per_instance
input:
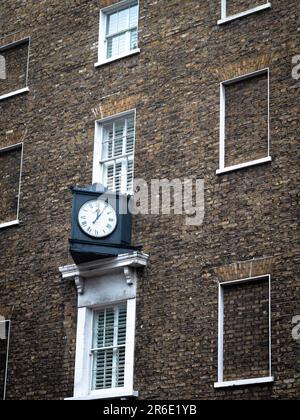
[(198, 90)]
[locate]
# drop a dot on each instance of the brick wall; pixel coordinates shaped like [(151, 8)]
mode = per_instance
[(174, 85)]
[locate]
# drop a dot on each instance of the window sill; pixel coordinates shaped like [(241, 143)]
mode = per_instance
[(120, 57), (15, 93), (8, 224), (101, 396), (244, 165), (246, 13), (257, 381)]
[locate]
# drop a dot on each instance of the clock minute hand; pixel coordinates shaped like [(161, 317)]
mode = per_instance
[(99, 214)]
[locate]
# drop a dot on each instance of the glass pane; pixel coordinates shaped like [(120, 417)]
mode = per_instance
[(123, 44), (108, 178), (113, 47), (130, 135), (118, 177), (133, 16), (133, 39), (122, 325), (112, 24), (123, 20), (130, 175), (119, 137), (108, 133)]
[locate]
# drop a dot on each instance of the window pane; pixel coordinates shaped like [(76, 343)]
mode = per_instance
[(123, 20), (108, 177), (119, 137), (118, 177), (108, 134), (113, 47), (122, 44), (130, 176), (133, 16), (133, 39), (112, 25)]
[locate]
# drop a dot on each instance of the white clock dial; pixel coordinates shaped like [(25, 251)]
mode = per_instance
[(97, 218)]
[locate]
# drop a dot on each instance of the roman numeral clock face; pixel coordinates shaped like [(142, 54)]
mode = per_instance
[(97, 218)]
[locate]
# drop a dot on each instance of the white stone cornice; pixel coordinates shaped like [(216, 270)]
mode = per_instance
[(124, 262)]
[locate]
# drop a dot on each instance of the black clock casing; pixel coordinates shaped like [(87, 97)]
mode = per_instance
[(85, 248)]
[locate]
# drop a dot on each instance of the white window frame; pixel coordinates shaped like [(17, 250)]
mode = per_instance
[(243, 382), (9, 149), (228, 18), (8, 47), (222, 168), (102, 47), (84, 359), (7, 354), (98, 163)]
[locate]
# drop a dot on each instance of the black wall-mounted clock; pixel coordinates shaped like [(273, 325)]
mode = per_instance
[(99, 227)]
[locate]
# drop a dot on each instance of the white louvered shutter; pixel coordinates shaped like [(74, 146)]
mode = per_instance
[(109, 348), (117, 158), (122, 31)]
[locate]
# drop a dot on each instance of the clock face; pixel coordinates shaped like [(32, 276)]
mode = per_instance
[(97, 218)]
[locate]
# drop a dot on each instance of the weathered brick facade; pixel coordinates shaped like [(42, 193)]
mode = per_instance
[(251, 224)]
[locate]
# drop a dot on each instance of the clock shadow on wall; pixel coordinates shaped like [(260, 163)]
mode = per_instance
[(101, 224)]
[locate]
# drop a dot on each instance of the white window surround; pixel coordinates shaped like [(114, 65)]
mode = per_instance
[(101, 284), (222, 168), (243, 382), (8, 149), (102, 47), (98, 172), (225, 19), (7, 353), (26, 88)]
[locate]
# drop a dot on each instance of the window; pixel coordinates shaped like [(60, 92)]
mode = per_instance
[(14, 63), (4, 348), (244, 121), (105, 339), (245, 332), (109, 346), (10, 184), (114, 153), (118, 31), (235, 9)]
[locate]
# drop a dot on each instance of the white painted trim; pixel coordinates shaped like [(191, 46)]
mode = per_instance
[(226, 19), (222, 145), (15, 93), (10, 149), (112, 394), (8, 224), (12, 45), (221, 383), (244, 165), (102, 47), (245, 382), (104, 266), (119, 57)]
